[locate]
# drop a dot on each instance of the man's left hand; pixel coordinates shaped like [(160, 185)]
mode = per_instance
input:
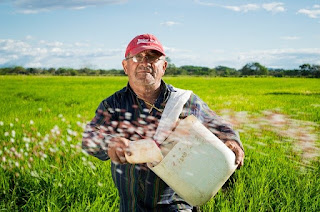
[(235, 147)]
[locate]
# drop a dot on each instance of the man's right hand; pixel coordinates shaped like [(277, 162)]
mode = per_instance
[(116, 149)]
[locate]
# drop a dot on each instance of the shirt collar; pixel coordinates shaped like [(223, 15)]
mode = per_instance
[(165, 92)]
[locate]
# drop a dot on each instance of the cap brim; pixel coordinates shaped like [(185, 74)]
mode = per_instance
[(142, 48)]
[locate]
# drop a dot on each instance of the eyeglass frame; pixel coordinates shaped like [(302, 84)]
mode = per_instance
[(134, 59)]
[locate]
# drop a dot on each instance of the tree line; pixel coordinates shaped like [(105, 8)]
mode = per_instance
[(250, 69)]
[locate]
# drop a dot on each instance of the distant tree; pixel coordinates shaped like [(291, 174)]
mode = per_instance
[(308, 70), (305, 66), (212, 72), (226, 71), (19, 70), (316, 71), (254, 68), (196, 70), (171, 68), (84, 71), (278, 72), (170, 64), (52, 71), (34, 70), (73, 72), (4, 71), (305, 69)]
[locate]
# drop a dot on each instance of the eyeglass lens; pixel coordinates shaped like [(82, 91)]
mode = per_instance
[(140, 58)]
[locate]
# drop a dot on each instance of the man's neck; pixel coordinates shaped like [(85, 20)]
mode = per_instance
[(148, 93)]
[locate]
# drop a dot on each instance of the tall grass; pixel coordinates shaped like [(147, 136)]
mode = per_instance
[(42, 166)]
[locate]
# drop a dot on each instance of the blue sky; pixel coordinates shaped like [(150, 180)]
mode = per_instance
[(95, 33)]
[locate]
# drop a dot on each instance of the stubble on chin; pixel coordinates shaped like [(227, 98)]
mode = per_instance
[(145, 79), (145, 75)]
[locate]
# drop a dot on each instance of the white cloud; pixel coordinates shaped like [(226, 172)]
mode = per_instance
[(54, 44), (36, 6), (44, 54), (274, 7), (56, 54), (243, 8), (171, 50), (311, 13), (12, 45), (290, 38), (170, 23), (80, 44), (205, 3), (33, 64), (281, 58), (28, 37), (285, 58)]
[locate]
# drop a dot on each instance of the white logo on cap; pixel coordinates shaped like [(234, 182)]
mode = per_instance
[(146, 41)]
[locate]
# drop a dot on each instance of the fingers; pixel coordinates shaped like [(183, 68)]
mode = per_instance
[(117, 148), (120, 155), (235, 147)]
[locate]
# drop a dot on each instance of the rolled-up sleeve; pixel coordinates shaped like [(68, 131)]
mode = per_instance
[(96, 135)]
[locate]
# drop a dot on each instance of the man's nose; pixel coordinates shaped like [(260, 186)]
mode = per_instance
[(146, 66), (145, 60)]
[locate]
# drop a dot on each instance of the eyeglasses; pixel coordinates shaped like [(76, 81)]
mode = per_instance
[(140, 58)]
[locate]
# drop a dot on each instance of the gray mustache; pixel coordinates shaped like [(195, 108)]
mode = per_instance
[(146, 68)]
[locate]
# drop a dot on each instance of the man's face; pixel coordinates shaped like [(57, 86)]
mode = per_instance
[(146, 68)]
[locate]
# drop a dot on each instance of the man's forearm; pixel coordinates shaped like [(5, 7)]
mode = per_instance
[(95, 141)]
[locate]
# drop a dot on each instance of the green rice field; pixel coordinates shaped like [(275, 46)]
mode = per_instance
[(43, 168)]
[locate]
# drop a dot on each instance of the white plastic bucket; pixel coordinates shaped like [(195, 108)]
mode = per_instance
[(198, 164)]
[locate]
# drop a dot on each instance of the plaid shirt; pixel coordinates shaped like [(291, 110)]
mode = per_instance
[(124, 114)]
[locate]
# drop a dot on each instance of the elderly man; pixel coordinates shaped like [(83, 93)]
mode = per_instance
[(133, 113)]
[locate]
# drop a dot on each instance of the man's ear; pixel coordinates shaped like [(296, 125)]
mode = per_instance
[(124, 65), (165, 64)]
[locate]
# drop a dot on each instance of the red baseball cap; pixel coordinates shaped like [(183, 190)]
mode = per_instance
[(144, 42)]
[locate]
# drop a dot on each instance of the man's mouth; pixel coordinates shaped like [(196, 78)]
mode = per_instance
[(145, 71)]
